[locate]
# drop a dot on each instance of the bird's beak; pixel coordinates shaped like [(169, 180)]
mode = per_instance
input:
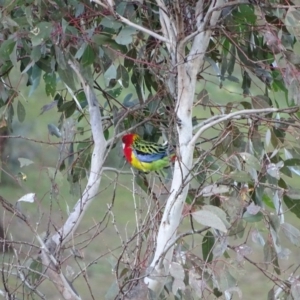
[(123, 145)]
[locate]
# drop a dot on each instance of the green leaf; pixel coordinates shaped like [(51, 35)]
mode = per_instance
[(21, 113), (24, 162), (268, 201), (40, 34), (233, 78), (36, 54), (60, 58), (231, 62), (247, 13), (110, 73), (103, 39), (28, 13), (274, 222), (293, 205), (250, 160), (246, 83), (35, 270), (217, 211), (240, 176), (176, 270), (207, 245), (68, 108), (50, 83), (80, 51), (261, 101), (295, 290), (35, 78), (224, 64), (210, 219), (13, 56), (125, 36), (226, 280), (293, 194), (110, 22), (292, 162), (115, 92), (54, 130), (46, 64), (129, 59), (112, 291), (6, 49), (269, 253), (66, 75), (88, 56), (252, 218), (203, 97), (123, 74), (292, 233)]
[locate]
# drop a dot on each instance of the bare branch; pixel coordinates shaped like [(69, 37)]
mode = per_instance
[(168, 26), (138, 27), (212, 121), (65, 233)]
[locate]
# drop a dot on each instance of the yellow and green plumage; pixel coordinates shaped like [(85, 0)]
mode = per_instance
[(146, 156)]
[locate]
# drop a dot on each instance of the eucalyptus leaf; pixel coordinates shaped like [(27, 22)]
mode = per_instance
[(176, 270), (125, 36), (210, 219), (240, 176), (257, 237), (203, 97), (295, 289), (250, 218), (50, 83), (214, 189), (40, 33), (123, 75), (250, 160), (35, 270), (196, 283), (208, 243), (35, 77), (110, 73), (293, 193), (53, 130), (217, 211), (21, 113), (30, 198), (292, 233), (24, 162), (67, 76), (88, 56)]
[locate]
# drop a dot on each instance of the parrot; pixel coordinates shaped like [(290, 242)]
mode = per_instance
[(146, 156)]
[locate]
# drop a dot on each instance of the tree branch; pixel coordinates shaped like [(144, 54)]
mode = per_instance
[(187, 68), (65, 233), (136, 26), (212, 121), (168, 26)]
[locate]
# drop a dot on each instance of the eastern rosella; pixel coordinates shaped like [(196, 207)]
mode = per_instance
[(146, 156)]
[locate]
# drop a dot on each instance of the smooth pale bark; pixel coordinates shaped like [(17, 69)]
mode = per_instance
[(65, 233), (187, 66)]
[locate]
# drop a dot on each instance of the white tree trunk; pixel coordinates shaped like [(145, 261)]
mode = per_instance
[(187, 66)]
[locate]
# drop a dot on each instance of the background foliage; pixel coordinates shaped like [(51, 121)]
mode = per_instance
[(243, 206)]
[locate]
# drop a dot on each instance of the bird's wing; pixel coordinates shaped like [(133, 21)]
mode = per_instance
[(148, 158), (149, 152)]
